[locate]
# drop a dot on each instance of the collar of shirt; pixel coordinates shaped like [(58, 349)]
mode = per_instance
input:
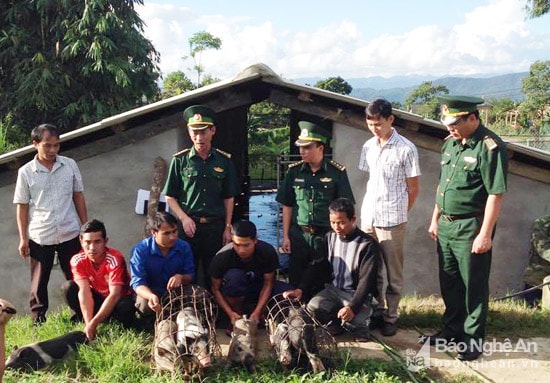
[(351, 237), (476, 136), (155, 250), (390, 141), (193, 152), (307, 168), (36, 166)]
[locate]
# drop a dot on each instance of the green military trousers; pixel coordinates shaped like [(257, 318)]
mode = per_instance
[(463, 279)]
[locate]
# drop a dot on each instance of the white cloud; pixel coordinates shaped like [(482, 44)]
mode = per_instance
[(493, 38)]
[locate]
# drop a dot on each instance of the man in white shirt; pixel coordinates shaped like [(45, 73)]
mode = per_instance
[(393, 166), (50, 209)]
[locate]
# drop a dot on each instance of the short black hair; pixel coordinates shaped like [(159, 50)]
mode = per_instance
[(342, 205), (160, 217), (93, 226), (378, 108), (38, 132), (244, 229)]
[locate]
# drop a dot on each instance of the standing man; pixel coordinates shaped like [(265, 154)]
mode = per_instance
[(474, 167), (350, 266), (50, 209), (159, 263), (200, 190), (308, 188), (392, 163), (243, 274), (101, 282)]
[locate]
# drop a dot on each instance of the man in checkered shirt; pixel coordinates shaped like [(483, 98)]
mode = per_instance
[(392, 163)]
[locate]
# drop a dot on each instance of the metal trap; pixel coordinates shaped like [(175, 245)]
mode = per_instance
[(185, 334), (298, 339)]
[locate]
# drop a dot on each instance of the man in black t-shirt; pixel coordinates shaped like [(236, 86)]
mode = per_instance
[(243, 273)]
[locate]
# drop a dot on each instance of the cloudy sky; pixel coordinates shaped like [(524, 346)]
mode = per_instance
[(350, 38)]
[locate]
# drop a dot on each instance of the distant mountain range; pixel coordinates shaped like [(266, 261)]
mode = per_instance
[(397, 89)]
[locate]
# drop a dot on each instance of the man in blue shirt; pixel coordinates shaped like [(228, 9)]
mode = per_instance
[(160, 263)]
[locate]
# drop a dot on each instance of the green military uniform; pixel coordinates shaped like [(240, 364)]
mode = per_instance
[(470, 172), (200, 187), (309, 194)]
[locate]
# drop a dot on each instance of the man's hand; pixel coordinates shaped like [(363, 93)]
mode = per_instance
[(189, 226), (432, 230), (482, 244), (90, 329), (293, 294), (255, 316), (154, 303), (174, 282), (346, 314), (24, 251), (286, 245), (226, 236), (233, 316)]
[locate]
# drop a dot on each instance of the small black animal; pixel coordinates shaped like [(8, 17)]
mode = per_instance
[(38, 355)]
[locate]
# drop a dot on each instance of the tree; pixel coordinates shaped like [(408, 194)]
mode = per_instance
[(335, 84), (73, 62), (198, 43), (209, 79), (176, 83), (537, 8), (423, 99), (536, 87)]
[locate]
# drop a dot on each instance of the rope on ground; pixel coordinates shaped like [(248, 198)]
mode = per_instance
[(396, 356), (521, 292)]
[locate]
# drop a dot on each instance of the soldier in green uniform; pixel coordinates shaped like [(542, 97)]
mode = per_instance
[(200, 190), (308, 188), (472, 182)]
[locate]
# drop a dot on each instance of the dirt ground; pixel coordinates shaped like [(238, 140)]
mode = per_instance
[(504, 361)]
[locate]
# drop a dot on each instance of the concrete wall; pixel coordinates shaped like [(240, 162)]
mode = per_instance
[(112, 179)]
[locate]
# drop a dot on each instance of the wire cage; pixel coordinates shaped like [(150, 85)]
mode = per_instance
[(297, 338), (185, 333)]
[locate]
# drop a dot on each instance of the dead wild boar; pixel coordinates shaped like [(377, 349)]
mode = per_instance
[(192, 336), (301, 334), (242, 347), (164, 346)]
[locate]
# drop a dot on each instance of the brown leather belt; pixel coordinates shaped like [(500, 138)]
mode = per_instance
[(206, 219), (311, 229), (456, 217)]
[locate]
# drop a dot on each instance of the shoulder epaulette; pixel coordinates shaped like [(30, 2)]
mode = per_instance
[(223, 153), (181, 152), (490, 143), (337, 165), (295, 164)]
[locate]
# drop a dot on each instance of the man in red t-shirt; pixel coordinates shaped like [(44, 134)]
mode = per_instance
[(100, 288)]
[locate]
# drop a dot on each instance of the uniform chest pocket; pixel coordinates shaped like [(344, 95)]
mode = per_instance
[(325, 191), (218, 175), (189, 173), (469, 170)]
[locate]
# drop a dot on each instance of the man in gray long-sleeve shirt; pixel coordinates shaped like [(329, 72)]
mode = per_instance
[(351, 262)]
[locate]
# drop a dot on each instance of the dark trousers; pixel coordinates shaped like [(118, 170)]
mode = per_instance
[(42, 258), (464, 279), (305, 247), (124, 311), (205, 244)]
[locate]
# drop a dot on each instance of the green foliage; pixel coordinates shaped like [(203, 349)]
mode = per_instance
[(424, 101), (537, 8), (335, 84), (11, 136), (176, 83), (209, 79), (536, 88), (198, 43), (72, 63)]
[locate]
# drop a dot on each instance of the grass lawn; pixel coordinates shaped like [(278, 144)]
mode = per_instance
[(120, 355)]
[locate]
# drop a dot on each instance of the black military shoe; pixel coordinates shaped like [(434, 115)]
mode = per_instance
[(442, 337), (468, 355)]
